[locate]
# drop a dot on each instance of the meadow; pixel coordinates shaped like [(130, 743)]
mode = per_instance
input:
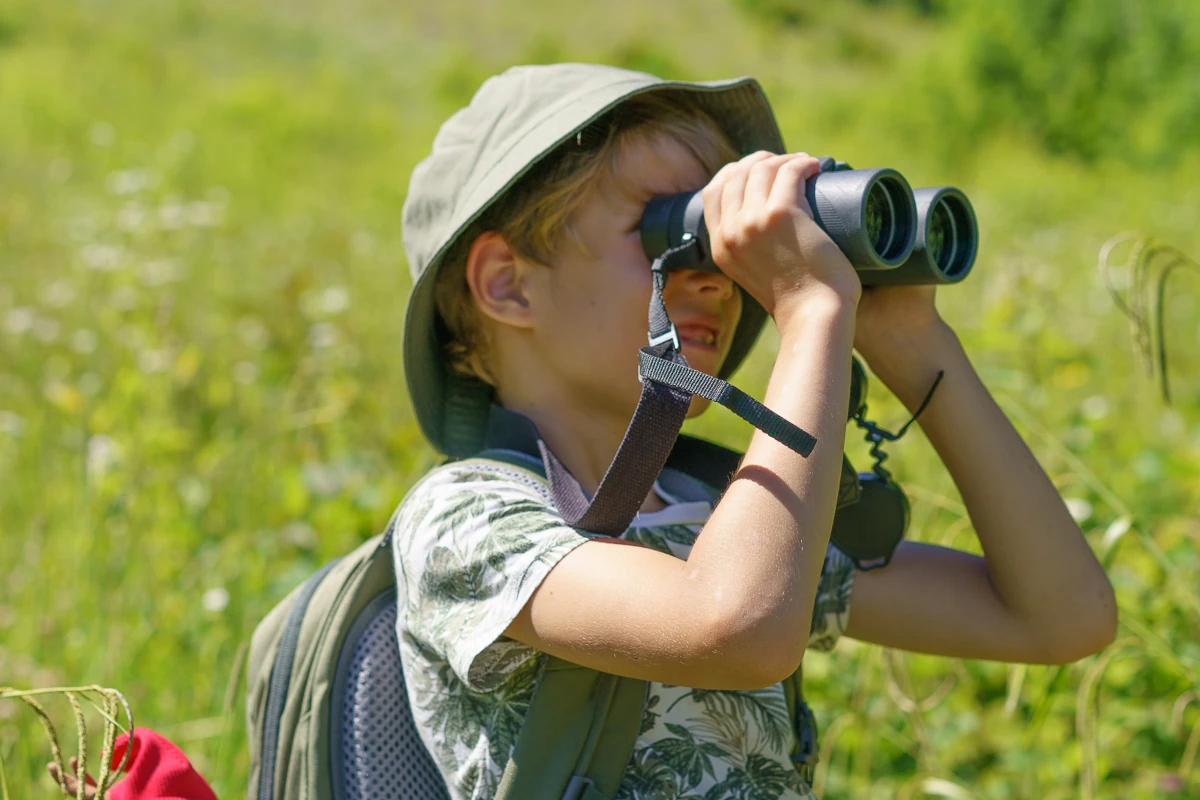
[(202, 293)]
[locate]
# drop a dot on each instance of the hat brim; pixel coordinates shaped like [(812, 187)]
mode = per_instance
[(451, 409)]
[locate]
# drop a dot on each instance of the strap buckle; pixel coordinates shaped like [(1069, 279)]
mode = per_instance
[(671, 336), (581, 788)]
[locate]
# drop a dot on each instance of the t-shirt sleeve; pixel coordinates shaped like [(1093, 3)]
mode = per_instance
[(472, 543), (831, 609)]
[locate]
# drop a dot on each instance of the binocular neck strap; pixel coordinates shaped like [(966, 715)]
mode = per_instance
[(668, 384)]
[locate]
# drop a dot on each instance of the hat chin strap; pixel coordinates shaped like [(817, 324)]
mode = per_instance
[(668, 384)]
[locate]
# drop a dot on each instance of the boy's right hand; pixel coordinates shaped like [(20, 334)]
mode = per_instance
[(764, 237)]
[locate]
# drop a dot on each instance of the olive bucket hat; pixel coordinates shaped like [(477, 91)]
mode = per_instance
[(515, 120)]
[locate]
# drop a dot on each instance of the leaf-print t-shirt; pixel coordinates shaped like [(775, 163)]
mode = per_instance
[(471, 543)]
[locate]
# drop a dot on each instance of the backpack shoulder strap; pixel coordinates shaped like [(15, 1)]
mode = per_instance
[(581, 725), (293, 655), (579, 733), (281, 678), (804, 752)]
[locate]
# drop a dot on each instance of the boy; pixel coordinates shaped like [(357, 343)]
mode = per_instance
[(531, 295)]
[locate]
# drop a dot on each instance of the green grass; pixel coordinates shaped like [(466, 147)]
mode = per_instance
[(202, 291)]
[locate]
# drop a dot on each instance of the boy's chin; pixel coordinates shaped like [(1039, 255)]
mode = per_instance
[(698, 406)]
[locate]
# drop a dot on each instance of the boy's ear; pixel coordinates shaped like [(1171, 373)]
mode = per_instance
[(497, 277)]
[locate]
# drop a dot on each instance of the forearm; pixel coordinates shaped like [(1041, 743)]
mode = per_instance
[(1038, 562), (759, 558)]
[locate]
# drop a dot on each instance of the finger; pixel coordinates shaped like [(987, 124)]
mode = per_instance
[(762, 177), (711, 195), (790, 181), (732, 195), (87, 777)]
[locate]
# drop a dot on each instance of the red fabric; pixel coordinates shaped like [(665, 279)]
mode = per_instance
[(157, 770)]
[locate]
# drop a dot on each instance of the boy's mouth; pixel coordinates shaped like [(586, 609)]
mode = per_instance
[(700, 332)]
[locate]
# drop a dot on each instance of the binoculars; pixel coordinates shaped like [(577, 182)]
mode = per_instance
[(890, 233)]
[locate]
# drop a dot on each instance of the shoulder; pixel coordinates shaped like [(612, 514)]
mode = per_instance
[(478, 509), (479, 473), (471, 487)]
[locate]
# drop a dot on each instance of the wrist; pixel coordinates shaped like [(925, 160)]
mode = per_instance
[(822, 307), (909, 364)]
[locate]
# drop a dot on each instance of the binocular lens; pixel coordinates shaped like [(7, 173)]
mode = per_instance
[(880, 218), (949, 238), (887, 218), (942, 237)]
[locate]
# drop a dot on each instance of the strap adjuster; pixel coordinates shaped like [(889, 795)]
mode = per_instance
[(670, 336), (582, 788)]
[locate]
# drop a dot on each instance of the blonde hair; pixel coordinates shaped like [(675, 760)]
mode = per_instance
[(534, 215)]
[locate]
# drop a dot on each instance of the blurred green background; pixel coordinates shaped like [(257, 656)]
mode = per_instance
[(202, 289)]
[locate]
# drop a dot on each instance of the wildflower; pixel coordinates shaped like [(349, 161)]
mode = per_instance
[(245, 372), (1079, 509), (215, 599), (335, 300), (84, 341), (323, 334), (45, 329), (171, 215), (103, 134), (162, 271), (194, 493), (251, 331), (204, 214), (89, 384), (11, 423), (300, 534), (103, 257), (152, 361), (102, 455), (20, 319), (58, 294), (127, 181), (1095, 407), (130, 217)]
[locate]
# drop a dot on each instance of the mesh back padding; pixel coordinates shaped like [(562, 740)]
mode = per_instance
[(382, 755)]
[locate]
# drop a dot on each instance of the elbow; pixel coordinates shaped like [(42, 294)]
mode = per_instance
[(1093, 628), (755, 650)]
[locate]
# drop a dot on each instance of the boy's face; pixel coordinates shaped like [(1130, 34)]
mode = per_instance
[(592, 318)]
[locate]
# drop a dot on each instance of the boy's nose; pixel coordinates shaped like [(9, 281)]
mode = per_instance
[(704, 282)]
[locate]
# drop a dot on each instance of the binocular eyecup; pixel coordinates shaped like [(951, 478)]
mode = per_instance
[(891, 234)]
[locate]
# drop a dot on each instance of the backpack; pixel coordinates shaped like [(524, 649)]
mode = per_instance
[(328, 715)]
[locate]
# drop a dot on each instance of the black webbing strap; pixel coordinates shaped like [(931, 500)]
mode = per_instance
[(696, 382), (668, 384), (640, 458)]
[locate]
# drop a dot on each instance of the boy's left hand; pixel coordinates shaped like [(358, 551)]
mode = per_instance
[(71, 787)]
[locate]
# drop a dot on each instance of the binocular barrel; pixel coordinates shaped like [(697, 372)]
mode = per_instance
[(891, 234)]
